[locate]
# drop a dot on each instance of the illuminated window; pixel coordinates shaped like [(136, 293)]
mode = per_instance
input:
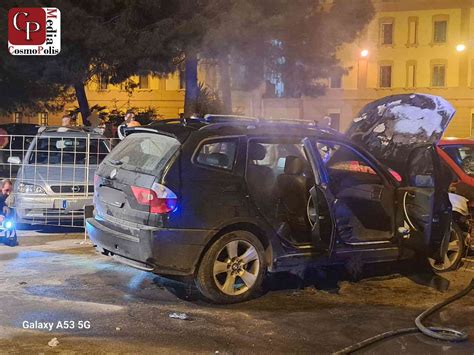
[(412, 31), (472, 124), (385, 80), (438, 76), (335, 81), (143, 82), (440, 28)]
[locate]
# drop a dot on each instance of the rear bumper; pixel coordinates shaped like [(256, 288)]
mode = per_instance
[(162, 251)]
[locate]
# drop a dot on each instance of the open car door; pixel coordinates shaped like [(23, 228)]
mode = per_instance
[(423, 213), (322, 225)]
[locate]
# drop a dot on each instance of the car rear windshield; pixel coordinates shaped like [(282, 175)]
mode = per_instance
[(463, 156), (69, 151), (146, 152)]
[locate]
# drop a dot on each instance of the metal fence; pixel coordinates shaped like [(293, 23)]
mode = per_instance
[(52, 174)]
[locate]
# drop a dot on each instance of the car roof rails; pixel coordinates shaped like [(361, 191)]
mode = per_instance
[(213, 118), (60, 129)]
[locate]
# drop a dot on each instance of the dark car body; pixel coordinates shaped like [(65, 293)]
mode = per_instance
[(310, 197)]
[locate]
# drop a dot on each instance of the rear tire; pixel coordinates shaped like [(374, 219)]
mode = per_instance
[(232, 269), (454, 254)]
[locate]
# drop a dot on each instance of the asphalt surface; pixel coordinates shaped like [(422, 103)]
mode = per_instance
[(58, 280)]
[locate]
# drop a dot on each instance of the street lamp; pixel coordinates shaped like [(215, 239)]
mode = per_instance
[(364, 53), (461, 47)]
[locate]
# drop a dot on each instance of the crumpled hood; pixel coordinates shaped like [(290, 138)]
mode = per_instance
[(390, 127)]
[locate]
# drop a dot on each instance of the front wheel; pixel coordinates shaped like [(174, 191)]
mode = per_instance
[(454, 252), (232, 269)]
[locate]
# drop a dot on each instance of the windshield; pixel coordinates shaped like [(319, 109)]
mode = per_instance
[(463, 156), (68, 151)]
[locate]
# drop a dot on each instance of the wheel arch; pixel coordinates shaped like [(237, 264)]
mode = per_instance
[(256, 230)]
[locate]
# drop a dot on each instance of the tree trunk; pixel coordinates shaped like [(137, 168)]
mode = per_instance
[(192, 90), (226, 94), (83, 103)]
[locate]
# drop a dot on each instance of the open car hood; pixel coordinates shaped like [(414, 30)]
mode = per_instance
[(390, 127)]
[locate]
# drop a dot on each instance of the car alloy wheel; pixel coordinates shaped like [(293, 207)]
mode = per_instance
[(453, 253), (236, 267)]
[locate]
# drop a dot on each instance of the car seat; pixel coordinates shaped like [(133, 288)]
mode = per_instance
[(294, 193)]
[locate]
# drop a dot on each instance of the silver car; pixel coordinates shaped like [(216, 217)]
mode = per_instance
[(55, 180)]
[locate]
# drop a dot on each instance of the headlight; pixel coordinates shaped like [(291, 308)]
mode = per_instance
[(30, 189)]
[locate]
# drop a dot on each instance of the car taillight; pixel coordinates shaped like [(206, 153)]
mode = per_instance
[(159, 198)]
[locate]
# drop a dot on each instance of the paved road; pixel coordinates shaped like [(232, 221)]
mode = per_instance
[(55, 278)]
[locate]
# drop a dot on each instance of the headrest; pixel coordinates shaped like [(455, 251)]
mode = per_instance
[(257, 151), (217, 159), (294, 165)]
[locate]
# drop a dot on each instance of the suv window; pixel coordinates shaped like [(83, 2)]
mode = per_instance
[(147, 152), (345, 167), (218, 154)]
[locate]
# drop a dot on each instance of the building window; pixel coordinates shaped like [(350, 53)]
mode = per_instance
[(43, 118), (385, 80), (440, 28), (335, 121), (438, 76), (103, 82), (182, 79), (335, 81), (412, 31), (386, 33), (143, 82), (472, 124), (411, 75)]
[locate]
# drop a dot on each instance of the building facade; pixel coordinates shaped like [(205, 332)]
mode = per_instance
[(422, 46)]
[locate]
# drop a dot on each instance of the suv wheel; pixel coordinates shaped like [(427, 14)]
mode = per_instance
[(454, 253), (232, 269)]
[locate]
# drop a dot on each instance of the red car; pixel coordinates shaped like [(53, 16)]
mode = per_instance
[(458, 154)]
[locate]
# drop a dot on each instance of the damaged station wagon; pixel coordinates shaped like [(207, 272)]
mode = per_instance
[(227, 199)]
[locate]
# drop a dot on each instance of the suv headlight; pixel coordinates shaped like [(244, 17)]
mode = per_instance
[(30, 189)]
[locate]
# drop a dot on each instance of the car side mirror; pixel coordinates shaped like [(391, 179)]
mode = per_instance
[(14, 160)]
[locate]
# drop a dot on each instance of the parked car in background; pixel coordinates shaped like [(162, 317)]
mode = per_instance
[(228, 199), (458, 155), (55, 180), (15, 138)]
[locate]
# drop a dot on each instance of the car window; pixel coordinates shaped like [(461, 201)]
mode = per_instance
[(276, 153), (68, 150), (346, 168), (147, 152), (219, 154), (463, 156)]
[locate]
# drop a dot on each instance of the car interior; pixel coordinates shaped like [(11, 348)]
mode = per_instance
[(280, 179)]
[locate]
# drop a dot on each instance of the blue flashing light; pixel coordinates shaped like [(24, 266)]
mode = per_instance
[(8, 224)]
